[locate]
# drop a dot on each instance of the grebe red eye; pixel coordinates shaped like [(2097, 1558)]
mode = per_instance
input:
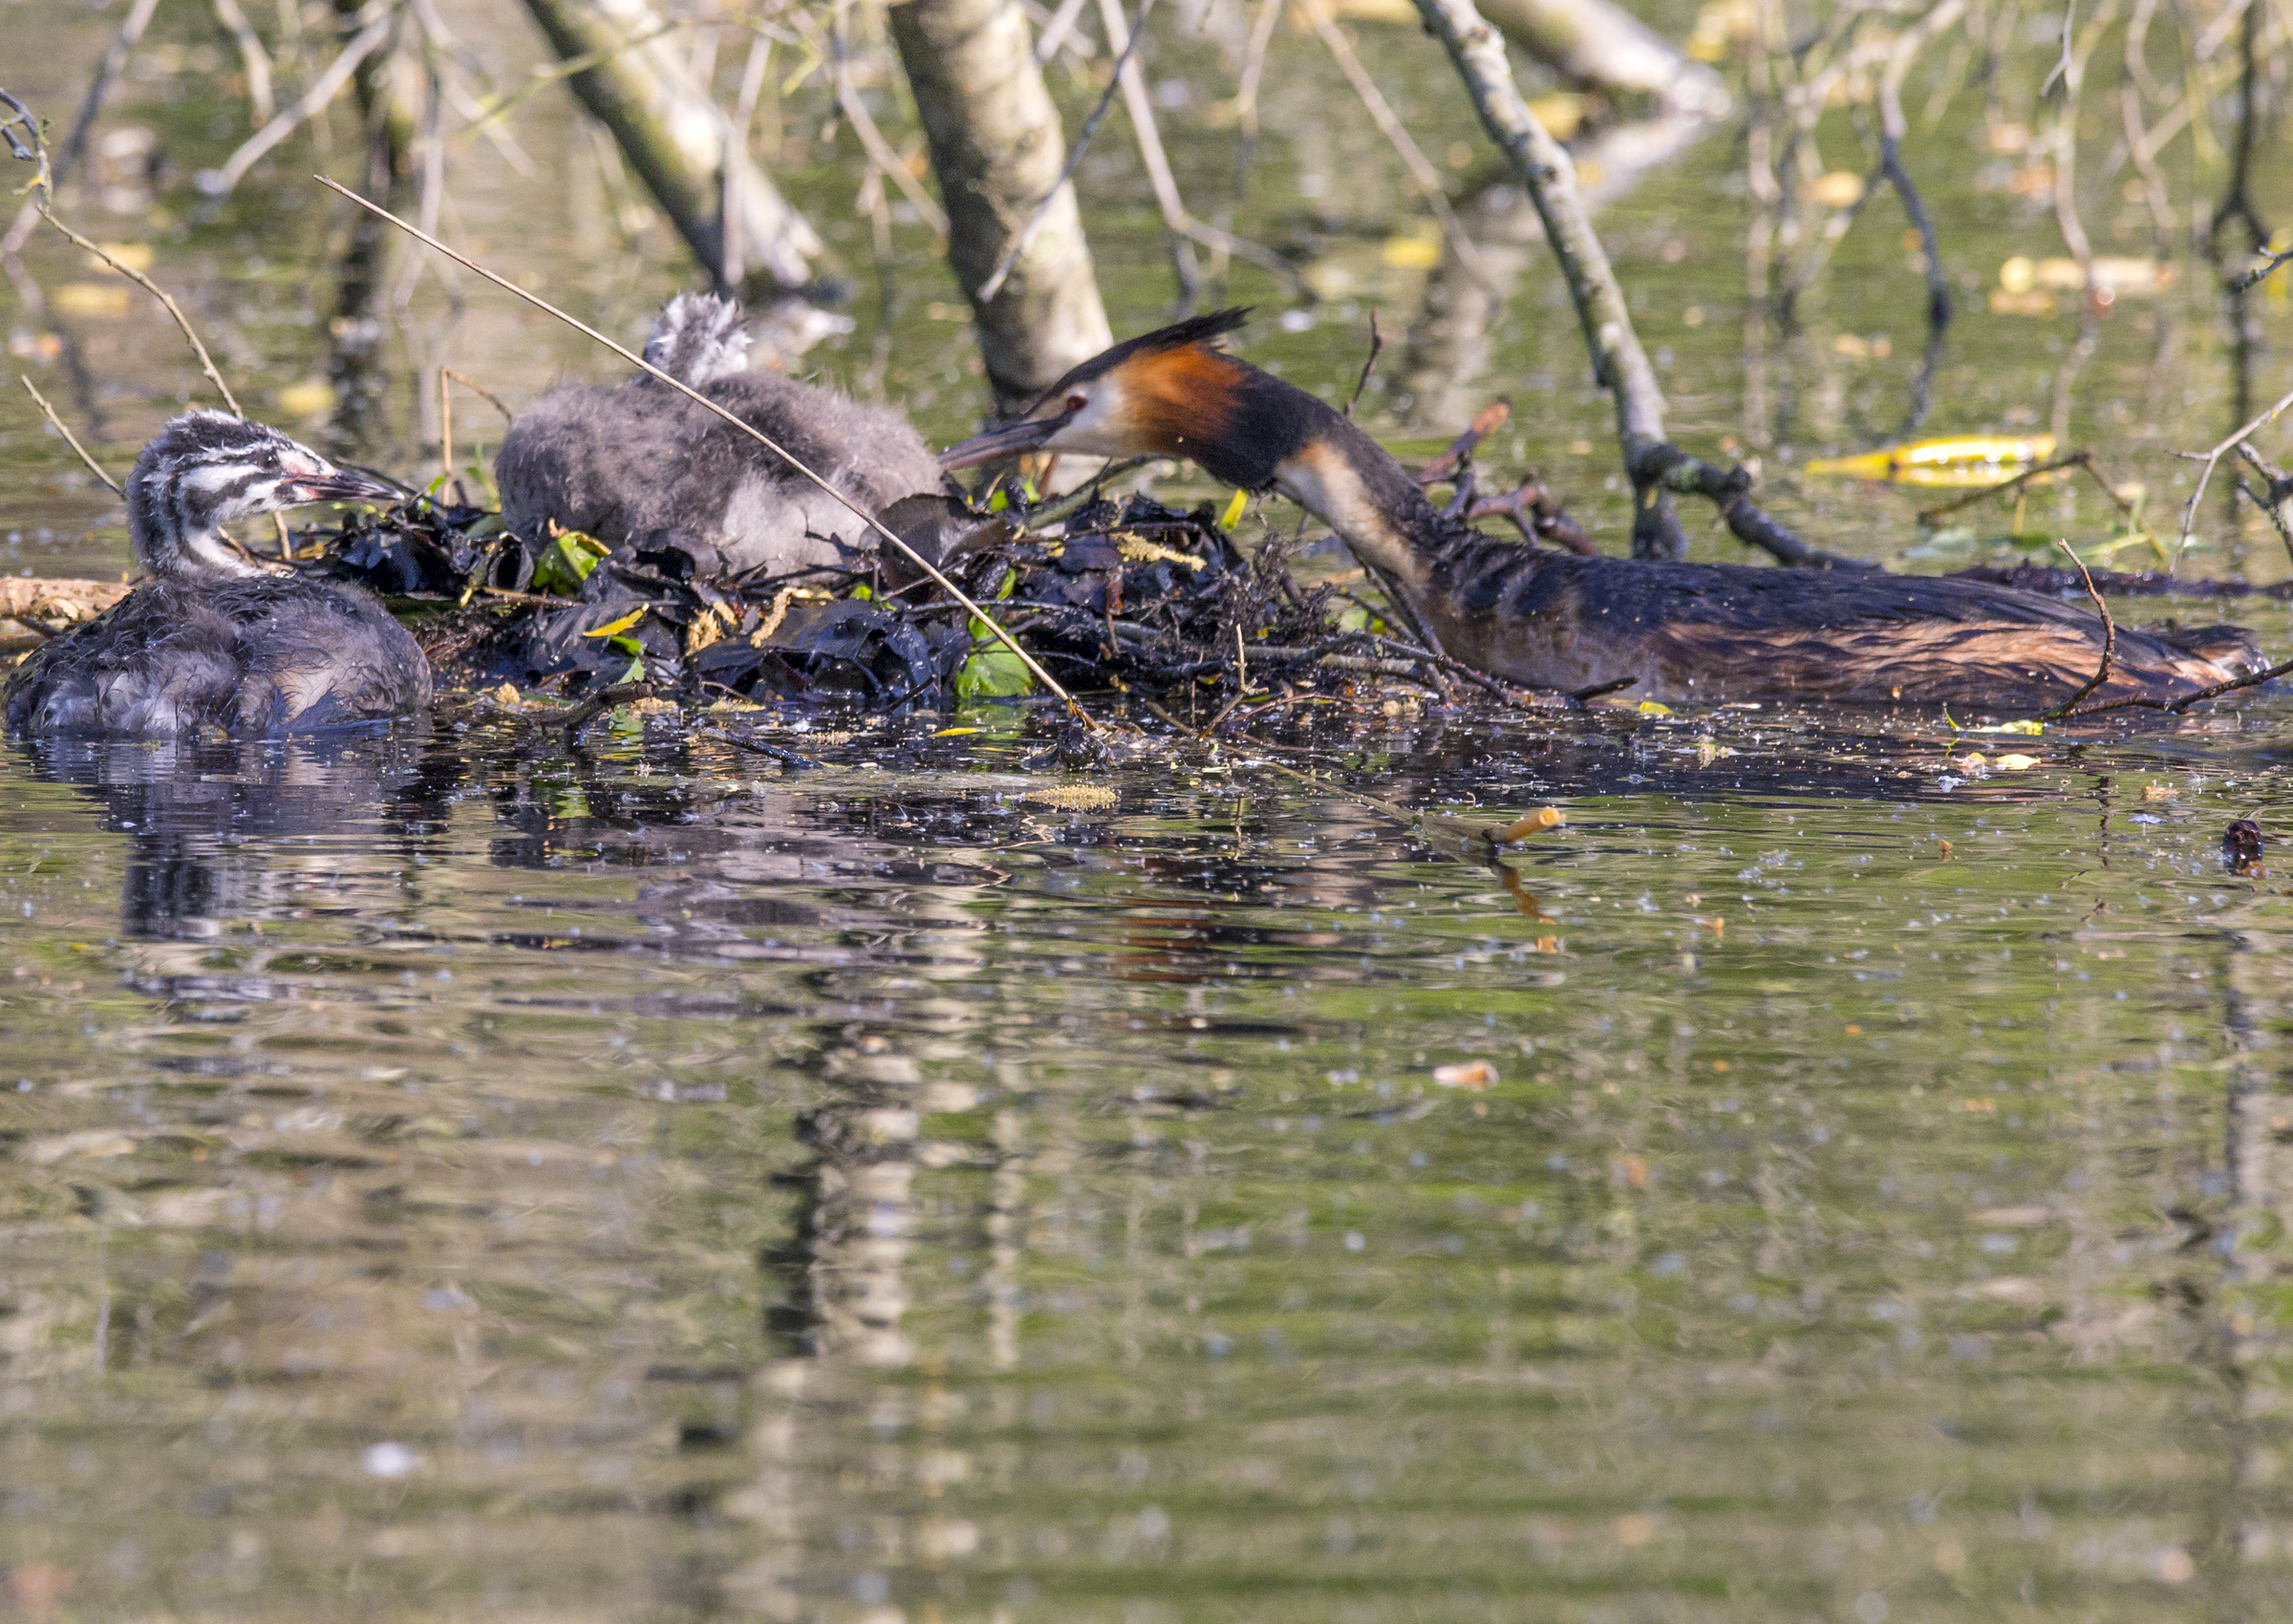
[(1076, 403)]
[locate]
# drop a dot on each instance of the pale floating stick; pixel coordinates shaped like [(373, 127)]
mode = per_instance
[(758, 435), (1535, 824), (70, 438)]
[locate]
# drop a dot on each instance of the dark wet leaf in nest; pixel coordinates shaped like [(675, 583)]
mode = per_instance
[(822, 649)]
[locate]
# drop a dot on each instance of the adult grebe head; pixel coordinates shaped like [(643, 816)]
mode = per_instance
[(206, 468), (1163, 394)]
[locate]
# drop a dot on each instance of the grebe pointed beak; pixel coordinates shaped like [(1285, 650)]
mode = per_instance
[(1028, 433), (345, 484)]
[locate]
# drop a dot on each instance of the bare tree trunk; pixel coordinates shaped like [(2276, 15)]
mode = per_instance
[(998, 148), (639, 87), (1600, 45)]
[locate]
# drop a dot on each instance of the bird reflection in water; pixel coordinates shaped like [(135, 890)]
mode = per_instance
[(207, 822)]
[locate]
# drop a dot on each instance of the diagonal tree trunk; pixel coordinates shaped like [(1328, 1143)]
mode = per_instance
[(998, 148), (637, 84)]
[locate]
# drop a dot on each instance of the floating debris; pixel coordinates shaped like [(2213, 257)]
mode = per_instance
[(1478, 1076), (1953, 459), (2242, 847)]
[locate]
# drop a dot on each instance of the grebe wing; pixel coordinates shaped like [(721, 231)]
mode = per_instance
[(156, 664), (319, 655)]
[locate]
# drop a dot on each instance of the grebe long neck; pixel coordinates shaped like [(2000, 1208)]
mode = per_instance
[(1350, 482)]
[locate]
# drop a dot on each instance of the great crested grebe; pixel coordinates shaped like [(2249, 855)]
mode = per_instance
[(637, 460), (212, 638), (1557, 620)]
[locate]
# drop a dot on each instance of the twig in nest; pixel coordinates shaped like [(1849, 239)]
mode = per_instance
[(1369, 362), (70, 438), (2110, 639), (758, 745), (1583, 694), (602, 701), (2212, 461), (481, 391), (1491, 417), (739, 422)]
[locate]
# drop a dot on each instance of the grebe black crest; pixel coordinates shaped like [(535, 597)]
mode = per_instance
[(1557, 620), (214, 639), (638, 462)]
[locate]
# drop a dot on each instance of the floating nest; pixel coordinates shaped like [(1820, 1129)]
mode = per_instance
[(1107, 592)]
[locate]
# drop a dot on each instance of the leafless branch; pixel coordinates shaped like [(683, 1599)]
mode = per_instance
[(219, 182), (2110, 640), (1369, 362), (2213, 461), (70, 438), (1422, 173)]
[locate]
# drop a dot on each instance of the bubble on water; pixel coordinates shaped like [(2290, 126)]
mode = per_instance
[(1355, 1241), (390, 1461)]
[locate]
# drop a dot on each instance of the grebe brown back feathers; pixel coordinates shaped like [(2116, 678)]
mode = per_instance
[(633, 461), (212, 639), (1557, 620)]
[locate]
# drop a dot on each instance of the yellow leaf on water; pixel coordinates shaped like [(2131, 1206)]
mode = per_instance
[(135, 256), (2119, 276), (1412, 252), (956, 731), (1075, 797), (2033, 729), (1651, 708), (2016, 763), (1950, 460), (1561, 114), (92, 298), (2031, 302), (314, 398), (1233, 515), (1841, 188)]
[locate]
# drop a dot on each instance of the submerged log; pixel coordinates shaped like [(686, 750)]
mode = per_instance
[(32, 610), (998, 148), (637, 84)]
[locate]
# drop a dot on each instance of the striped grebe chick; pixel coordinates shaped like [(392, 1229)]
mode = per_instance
[(212, 638), (1555, 620), (638, 461)]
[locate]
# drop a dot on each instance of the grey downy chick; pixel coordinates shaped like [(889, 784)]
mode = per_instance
[(211, 639), (638, 462)]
